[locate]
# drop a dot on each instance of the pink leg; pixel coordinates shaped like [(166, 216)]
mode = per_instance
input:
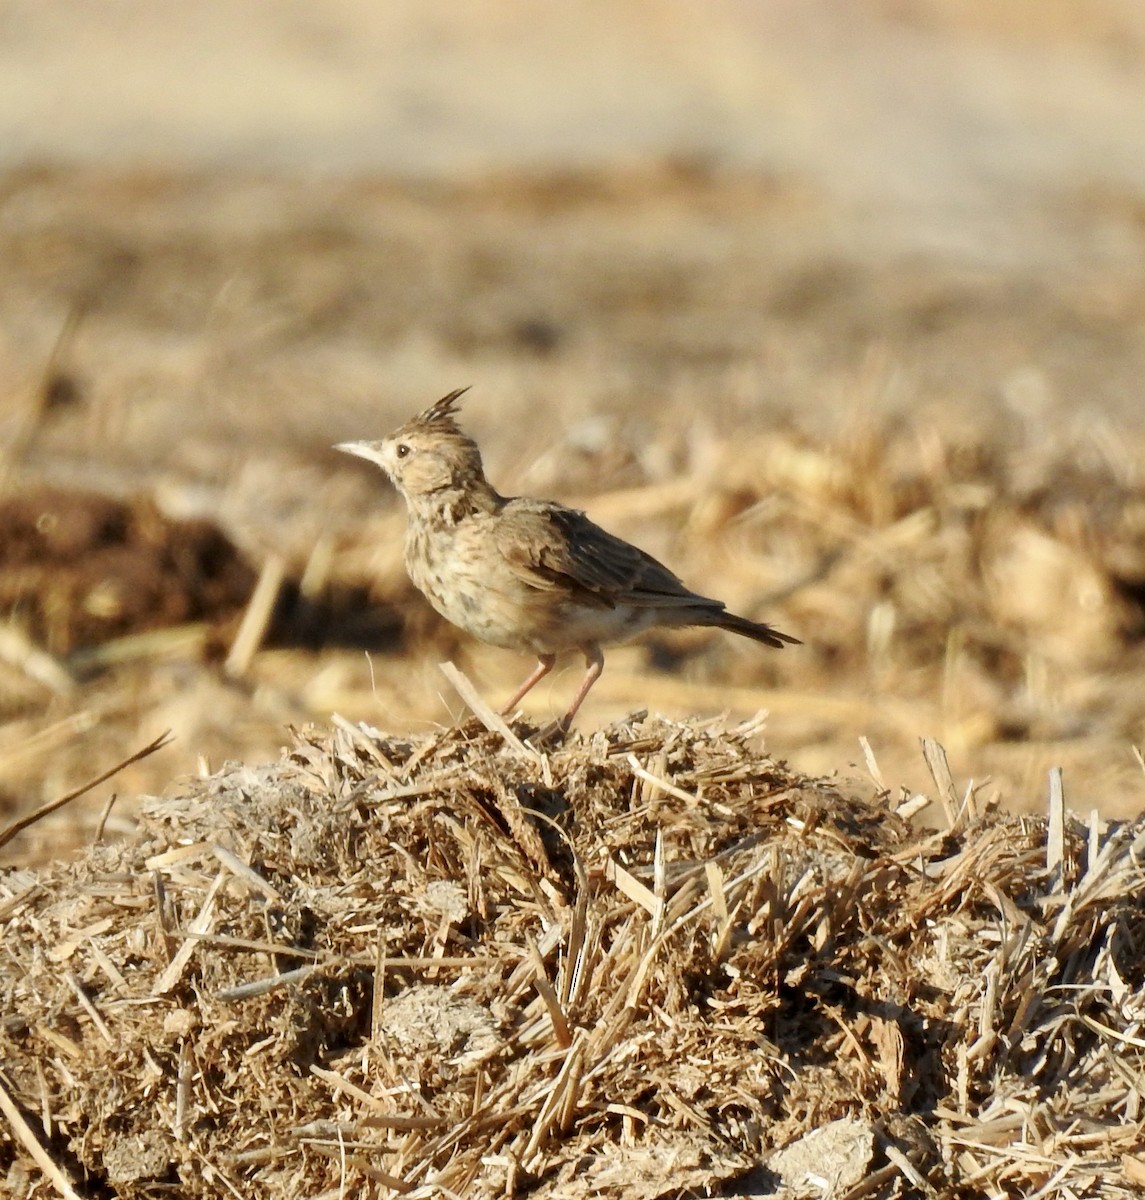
[(594, 661), (543, 667)]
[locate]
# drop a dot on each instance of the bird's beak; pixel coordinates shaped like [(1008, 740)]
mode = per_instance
[(366, 450)]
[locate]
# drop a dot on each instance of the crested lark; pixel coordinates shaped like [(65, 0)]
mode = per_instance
[(529, 575)]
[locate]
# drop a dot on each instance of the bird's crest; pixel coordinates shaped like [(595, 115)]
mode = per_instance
[(441, 414)]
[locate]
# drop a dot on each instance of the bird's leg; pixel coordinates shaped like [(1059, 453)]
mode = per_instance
[(594, 662), (544, 666)]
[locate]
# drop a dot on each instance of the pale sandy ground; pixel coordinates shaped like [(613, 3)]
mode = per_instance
[(947, 128), (990, 139)]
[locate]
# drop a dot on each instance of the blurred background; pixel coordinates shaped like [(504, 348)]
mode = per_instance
[(837, 307)]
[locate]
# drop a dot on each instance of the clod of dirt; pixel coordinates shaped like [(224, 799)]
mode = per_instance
[(78, 568), (827, 1161)]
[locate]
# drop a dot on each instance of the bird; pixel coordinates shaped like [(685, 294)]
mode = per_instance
[(525, 574)]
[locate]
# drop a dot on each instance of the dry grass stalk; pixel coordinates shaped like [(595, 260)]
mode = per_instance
[(493, 721), (18, 826), (26, 1138), (34, 408), (257, 616), (1055, 832), (21, 652)]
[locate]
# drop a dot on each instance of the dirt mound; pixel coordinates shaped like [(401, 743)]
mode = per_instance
[(78, 568), (638, 964)]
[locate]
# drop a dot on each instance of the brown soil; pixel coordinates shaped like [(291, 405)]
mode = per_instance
[(78, 569)]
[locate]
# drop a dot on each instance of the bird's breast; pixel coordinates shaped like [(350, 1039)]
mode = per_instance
[(462, 575)]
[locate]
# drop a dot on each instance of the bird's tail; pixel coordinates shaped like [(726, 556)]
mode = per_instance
[(755, 630)]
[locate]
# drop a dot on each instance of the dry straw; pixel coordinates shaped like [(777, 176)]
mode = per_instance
[(649, 962)]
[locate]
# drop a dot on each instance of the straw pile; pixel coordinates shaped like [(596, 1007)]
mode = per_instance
[(649, 962)]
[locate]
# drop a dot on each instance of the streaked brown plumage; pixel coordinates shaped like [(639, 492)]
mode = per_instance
[(526, 574)]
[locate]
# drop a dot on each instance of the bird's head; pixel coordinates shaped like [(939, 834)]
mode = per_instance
[(427, 455)]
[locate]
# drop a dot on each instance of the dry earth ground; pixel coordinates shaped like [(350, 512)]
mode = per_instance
[(839, 308), (867, 368), (896, 461)]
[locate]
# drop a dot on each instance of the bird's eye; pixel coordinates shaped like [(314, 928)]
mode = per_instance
[(402, 450)]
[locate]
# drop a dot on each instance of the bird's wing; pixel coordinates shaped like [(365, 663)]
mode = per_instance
[(552, 548)]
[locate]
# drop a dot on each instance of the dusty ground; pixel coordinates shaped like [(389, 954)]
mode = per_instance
[(840, 310), (903, 423)]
